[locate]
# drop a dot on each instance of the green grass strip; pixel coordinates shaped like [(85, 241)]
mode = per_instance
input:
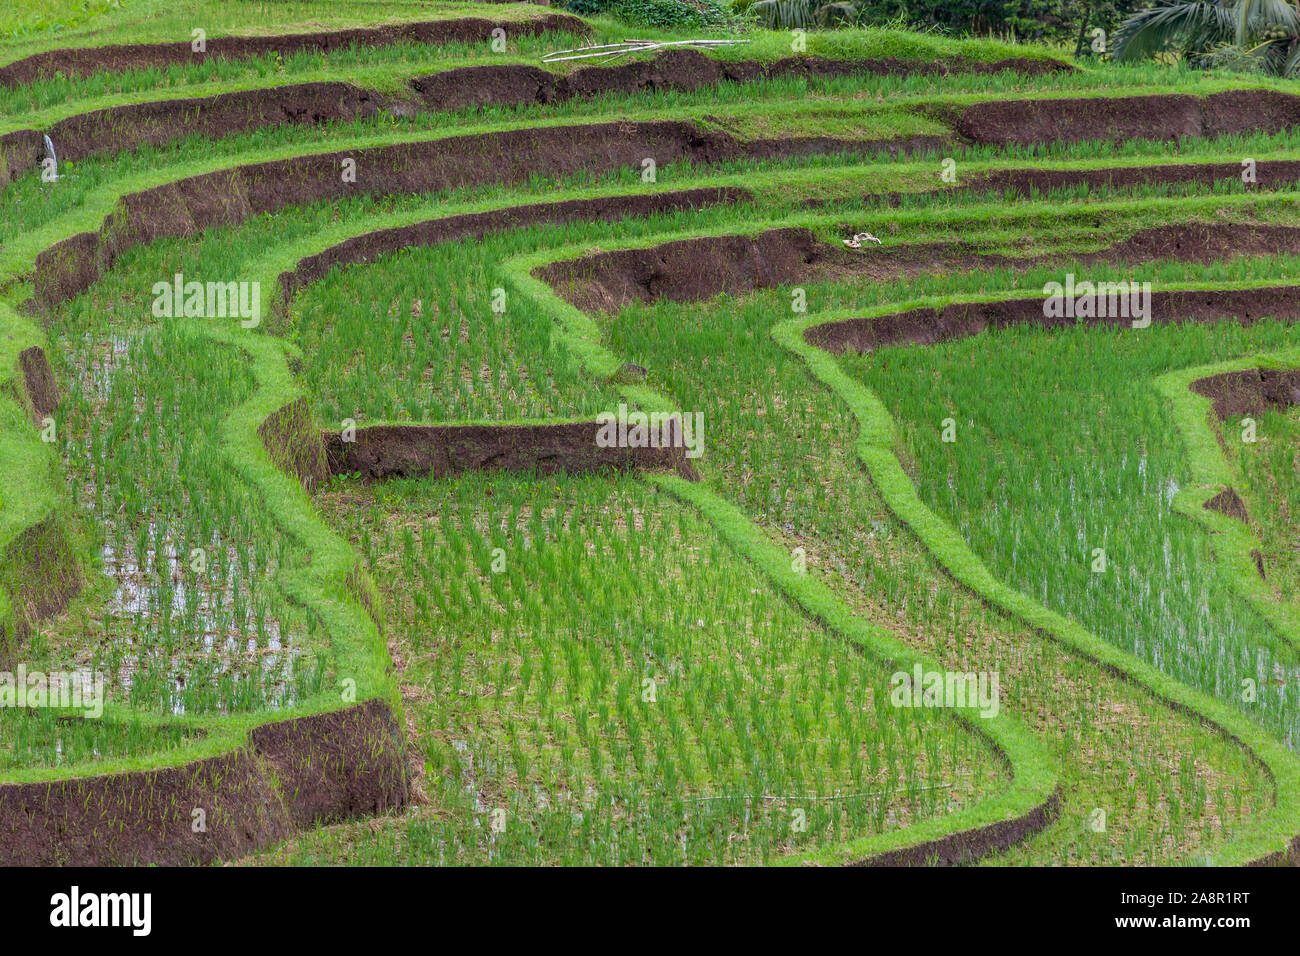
[(1211, 472), (327, 585), (164, 21), (1034, 776), (26, 479)]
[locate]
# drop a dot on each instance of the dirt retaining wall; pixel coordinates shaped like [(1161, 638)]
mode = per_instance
[(291, 775), (40, 390), (118, 128), (929, 326), (294, 443), (968, 845), (371, 245), (516, 84), (387, 451), (1166, 116), (84, 61), (1252, 391), (1228, 502), (40, 574), (1269, 174), (692, 270)]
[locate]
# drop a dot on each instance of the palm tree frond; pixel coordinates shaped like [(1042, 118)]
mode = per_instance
[(1187, 23), (786, 14), (1200, 28)]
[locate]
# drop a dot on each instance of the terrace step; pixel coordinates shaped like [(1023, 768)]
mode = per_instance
[(84, 61)]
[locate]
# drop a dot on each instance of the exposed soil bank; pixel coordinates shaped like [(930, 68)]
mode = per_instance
[(230, 196), (678, 70), (1248, 392), (1288, 857), (39, 571), (38, 382), (1169, 116), (70, 267), (291, 775), (1252, 391), (294, 443), (142, 56), (1198, 242), (372, 245), (40, 575), (126, 127), (691, 270), (1228, 502), (336, 766), (386, 451), (930, 326), (969, 845), (1270, 174)]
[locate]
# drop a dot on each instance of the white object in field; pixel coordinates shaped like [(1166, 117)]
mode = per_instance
[(611, 51), (861, 237), (49, 149)]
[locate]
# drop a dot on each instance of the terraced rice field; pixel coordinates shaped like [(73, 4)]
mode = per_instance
[(318, 546)]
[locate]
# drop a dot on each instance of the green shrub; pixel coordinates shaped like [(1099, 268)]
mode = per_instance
[(586, 8), (656, 13)]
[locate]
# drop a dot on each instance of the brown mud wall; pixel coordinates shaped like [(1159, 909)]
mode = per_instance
[(231, 196), (38, 569), (336, 766), (69, 267), (371, 245), (142, 56), (39, 389), (119, 128), (1252, 391), (968, 845), (388, 451), (1248, 392), (39, 573), (1170, 117), (691, 270), (294, 443), (1269, 174), (1228, 502), (929, 326), (1198, 242), (291, 775), (1288, 857), (677, 70)]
